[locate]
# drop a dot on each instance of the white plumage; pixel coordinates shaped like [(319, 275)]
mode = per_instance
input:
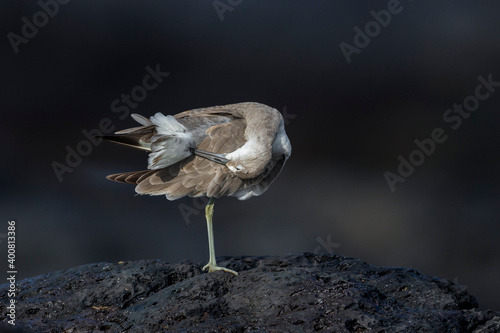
[(171, 143)]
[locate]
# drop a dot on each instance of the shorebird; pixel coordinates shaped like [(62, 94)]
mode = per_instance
[(233, 150)]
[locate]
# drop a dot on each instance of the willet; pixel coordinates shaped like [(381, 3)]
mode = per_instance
[(232, 150)]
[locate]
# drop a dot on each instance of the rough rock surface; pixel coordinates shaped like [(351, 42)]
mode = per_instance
[(293, 293)]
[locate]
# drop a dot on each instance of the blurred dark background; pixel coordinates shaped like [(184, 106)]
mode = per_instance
[(348, 123)]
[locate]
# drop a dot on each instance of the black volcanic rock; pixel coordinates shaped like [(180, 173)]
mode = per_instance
[(293, 293)]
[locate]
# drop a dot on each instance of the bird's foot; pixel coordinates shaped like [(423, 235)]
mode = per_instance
[(212, 268)]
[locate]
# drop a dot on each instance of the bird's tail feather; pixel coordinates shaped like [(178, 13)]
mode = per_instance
[(132, 177), (167, 140), (130, 140)]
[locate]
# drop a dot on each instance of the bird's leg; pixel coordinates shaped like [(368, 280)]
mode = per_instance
[(212, 264)]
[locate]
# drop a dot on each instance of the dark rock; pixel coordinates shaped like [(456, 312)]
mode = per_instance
[(294, 293)]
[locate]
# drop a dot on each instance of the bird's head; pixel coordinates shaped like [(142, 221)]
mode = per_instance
[(248, 168)]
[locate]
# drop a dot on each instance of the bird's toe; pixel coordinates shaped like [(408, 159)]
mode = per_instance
[(213, 268)]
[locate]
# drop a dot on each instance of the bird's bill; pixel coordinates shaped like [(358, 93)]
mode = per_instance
[(217, 158)]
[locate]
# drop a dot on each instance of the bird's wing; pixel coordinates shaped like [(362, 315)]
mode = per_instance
[(197, 121), (195, 176), (129, 177), (230, 111)]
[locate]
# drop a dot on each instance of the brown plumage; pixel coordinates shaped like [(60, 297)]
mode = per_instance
[(224, 132), (232, 150)]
